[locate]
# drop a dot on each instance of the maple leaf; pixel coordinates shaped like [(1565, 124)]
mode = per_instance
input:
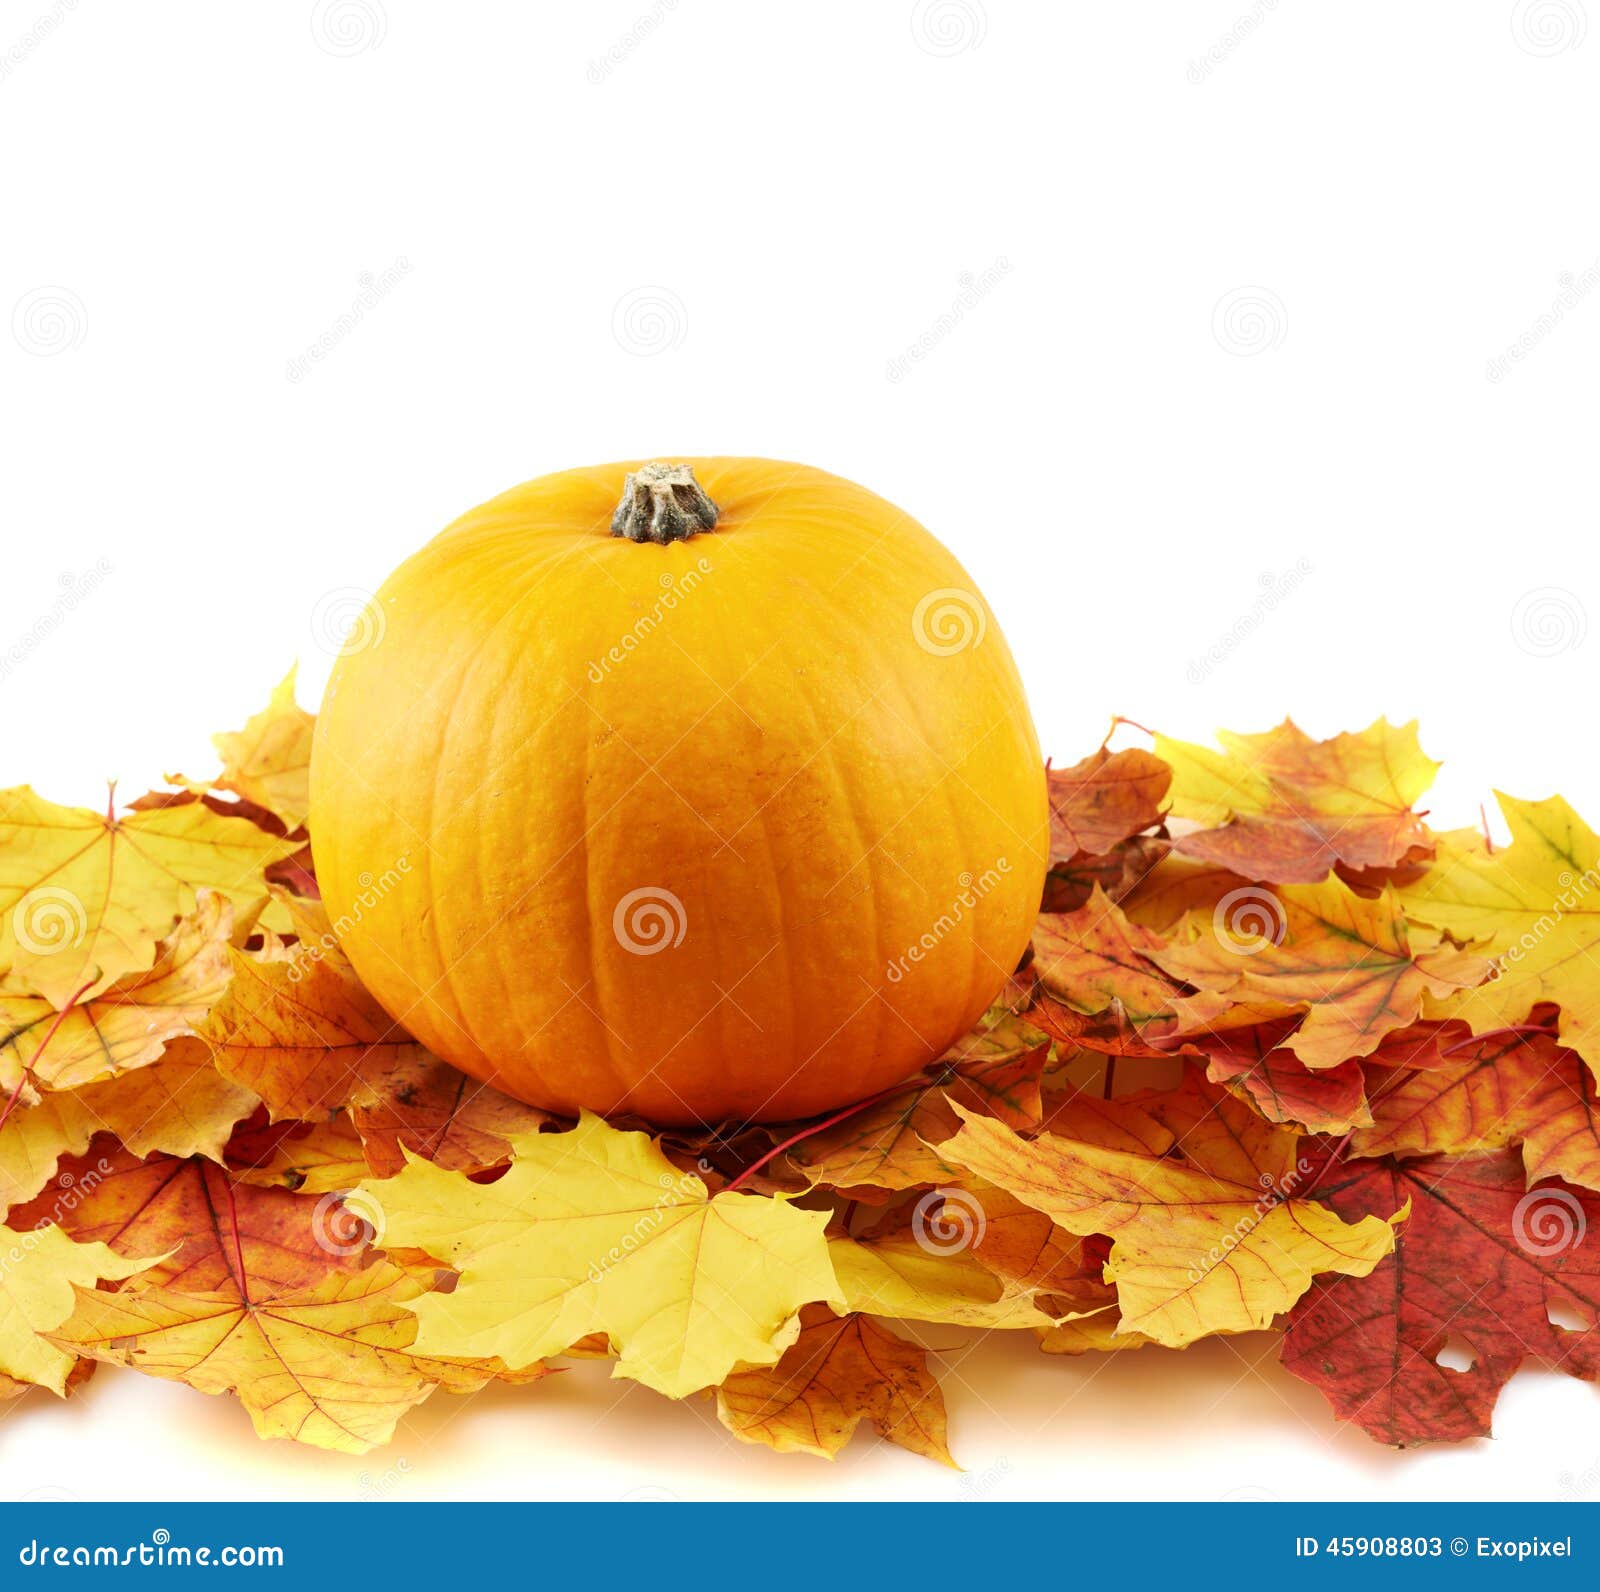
[(1106, 799), (331, 1365), (85, 896), (593, 1230), (130, 1021), (305, 1036), (33, 1139), (178, 1105), (840, 1371), (1256, 1064), (1094, 959), (1223, 1240), (424, 1105), (1350, 962), (1291, 808), (198, 1230), (888, 1145), (918, 1264), (1535, 907), (305, 1157), (1519, 1089), (1480, 1257), (1119, 873), (37, 1272), (268, 762)]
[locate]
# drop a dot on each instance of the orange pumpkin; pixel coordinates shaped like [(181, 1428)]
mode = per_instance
[(718, 801)]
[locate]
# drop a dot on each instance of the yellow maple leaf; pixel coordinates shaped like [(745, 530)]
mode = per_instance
[(1292, 807), (84, 896), (1220, 1241), (177, 1105), (304, 1035), (128, 1023), (32, 1141), (1535, 908), (268, 762), (332, 1365), (594, 1230), (840, 1371), (1095, 959), (38, 1269), (918, 1265), (1350, 962)]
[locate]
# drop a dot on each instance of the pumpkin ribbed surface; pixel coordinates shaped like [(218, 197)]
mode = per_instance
[(744, 824)]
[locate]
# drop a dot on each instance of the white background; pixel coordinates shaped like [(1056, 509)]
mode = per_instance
[(1240, 277)]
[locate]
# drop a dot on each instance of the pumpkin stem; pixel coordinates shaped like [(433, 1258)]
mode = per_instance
[(662, 503)]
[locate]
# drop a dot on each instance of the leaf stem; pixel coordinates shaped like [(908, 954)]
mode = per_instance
[(812, 1128), (50, 1033)]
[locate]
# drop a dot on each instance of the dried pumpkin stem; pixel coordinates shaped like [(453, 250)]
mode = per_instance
[(662, 503)]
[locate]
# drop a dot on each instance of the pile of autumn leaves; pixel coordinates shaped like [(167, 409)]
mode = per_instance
[(1282, 1058)]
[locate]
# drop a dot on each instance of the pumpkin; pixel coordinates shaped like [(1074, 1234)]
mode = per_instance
[(699, 791)]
